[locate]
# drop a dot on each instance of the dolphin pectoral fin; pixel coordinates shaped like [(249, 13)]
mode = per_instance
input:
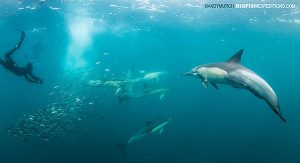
[(205, 83), (161, 96), (236, 58), (157, 79), (117, 91), (215, 85), (161, 131)]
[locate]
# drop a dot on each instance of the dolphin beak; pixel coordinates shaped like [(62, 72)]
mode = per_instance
[(187, 74)]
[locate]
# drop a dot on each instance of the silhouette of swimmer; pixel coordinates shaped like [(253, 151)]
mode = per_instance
[(10, 64)]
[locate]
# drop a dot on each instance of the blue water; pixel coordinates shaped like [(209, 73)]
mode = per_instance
[(69, 41)]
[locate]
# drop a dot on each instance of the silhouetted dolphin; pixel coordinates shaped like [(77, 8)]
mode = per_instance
[(233, 73), (150, 127), (125, 96)]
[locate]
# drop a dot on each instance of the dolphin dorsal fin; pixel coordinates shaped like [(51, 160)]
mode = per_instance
[(236, 58)]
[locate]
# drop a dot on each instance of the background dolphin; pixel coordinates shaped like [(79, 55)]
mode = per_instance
[(149, 128), (233, 73), (125, 96)]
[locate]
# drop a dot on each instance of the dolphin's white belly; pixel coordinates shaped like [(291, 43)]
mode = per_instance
[(157, 91), (214, 74), (152, 75)]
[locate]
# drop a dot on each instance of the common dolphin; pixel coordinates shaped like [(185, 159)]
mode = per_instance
[(119, 85), (108, 83), (160, 91), (233, 73), (124, 96), (150, 76), (154, 75), (150, 127)]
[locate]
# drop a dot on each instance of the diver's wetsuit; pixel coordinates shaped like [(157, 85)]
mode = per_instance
[(10, 64)]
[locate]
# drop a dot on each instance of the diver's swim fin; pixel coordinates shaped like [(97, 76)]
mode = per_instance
[(21, 38)]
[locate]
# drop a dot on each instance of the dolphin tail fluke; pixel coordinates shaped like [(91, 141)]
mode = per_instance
[(276, 110), (281, 117), (122, 147)]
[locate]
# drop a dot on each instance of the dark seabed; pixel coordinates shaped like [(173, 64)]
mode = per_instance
[(112, 72)]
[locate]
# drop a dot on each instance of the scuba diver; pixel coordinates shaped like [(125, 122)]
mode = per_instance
[(10, 64)]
